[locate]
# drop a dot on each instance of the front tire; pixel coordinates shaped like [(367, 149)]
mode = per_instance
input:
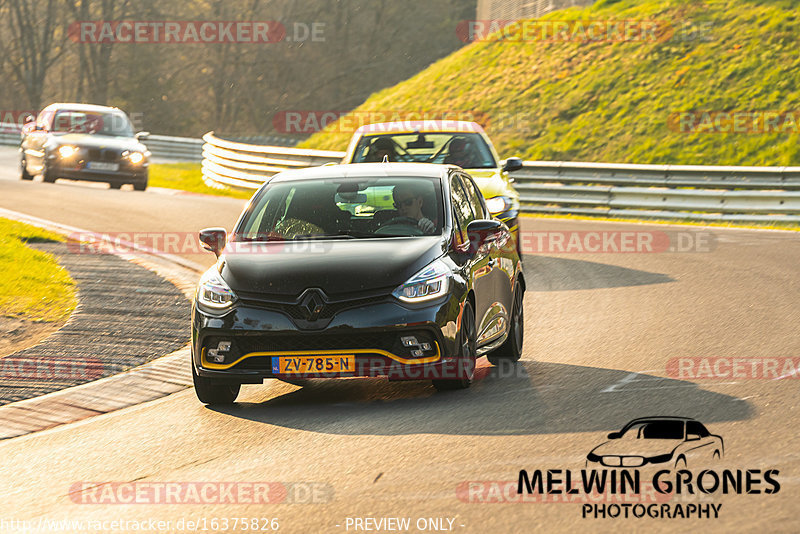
[(511, 349), (47, 175), (140, 186), (211, 392), (24, 174), (467, 354)]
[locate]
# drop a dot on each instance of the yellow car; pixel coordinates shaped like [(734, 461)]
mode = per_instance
[(447, 142)]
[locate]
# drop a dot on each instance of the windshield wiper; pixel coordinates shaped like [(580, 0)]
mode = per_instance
[(356, 233)]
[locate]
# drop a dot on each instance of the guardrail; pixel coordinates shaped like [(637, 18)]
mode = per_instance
[(9, 134), (180, 148), (697, 192), (247, 167)]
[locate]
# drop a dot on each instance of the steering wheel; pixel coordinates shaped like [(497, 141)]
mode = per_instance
[(403, 223)]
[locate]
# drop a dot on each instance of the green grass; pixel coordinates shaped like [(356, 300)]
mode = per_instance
[(610, 102), (187, 177), (33, 286)]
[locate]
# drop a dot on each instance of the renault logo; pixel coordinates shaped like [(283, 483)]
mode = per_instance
[(312, 304)]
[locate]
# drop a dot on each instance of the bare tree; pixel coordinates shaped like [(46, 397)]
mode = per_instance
[(36, 43), (95, 71)]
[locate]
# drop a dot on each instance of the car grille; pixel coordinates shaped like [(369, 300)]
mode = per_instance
[(623, 461), (104, 154), (300, 315)]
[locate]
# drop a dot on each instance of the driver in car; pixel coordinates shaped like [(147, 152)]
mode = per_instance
[(408, 203), (460, 153)]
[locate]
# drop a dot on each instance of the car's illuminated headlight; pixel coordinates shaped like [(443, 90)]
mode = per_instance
[(429, 283), (67, 151), (212, 291), (136, 157), (498, 205)]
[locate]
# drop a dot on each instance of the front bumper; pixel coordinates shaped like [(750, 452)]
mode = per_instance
[(371, 334), (78, 171)]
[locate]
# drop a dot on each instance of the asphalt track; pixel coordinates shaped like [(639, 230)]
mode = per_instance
[(604, 334)]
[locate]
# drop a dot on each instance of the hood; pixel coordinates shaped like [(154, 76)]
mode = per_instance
[(637, 447), (492, 183), (99, 141), (341, 268)]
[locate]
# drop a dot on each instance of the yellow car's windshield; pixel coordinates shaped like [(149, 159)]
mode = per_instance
[(467, 150)]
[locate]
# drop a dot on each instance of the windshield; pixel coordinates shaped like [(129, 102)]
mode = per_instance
[(89, 122), (467, 150), (345, 208), (656, 430)]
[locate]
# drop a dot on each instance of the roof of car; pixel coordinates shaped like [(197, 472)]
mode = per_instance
[(421, 126), (81, 107), (367, 170)]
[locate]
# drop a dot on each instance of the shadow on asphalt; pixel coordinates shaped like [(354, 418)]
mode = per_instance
[(546, 273), (525, 398)]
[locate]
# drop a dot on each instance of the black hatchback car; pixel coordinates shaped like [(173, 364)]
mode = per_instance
[(380, 269), (84, 142)]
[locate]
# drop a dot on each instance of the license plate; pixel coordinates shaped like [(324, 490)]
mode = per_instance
[(288, 365), (102, 166)]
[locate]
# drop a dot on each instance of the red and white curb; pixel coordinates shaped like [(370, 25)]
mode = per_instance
[(169, 374)]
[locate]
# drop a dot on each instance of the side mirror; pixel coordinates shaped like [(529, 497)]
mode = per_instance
[(512, 164), (141, 136), (213, 239), (692, 437), (482, 232), (615, 435), (28, 118)]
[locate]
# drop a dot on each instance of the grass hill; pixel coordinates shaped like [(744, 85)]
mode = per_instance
[(580, 100)]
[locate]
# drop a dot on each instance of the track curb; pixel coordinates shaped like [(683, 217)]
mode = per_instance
[(158, 378)]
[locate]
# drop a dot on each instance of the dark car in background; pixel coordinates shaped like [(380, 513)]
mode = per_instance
[(321, 279), (84, 142)]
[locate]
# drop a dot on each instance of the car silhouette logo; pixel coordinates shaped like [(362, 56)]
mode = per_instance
[(312, 304), (666, 441)]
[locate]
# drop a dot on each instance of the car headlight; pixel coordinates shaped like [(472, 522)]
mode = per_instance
[(497, 205), (212, 291), (135, 157), (429, 283), (67, 151)]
